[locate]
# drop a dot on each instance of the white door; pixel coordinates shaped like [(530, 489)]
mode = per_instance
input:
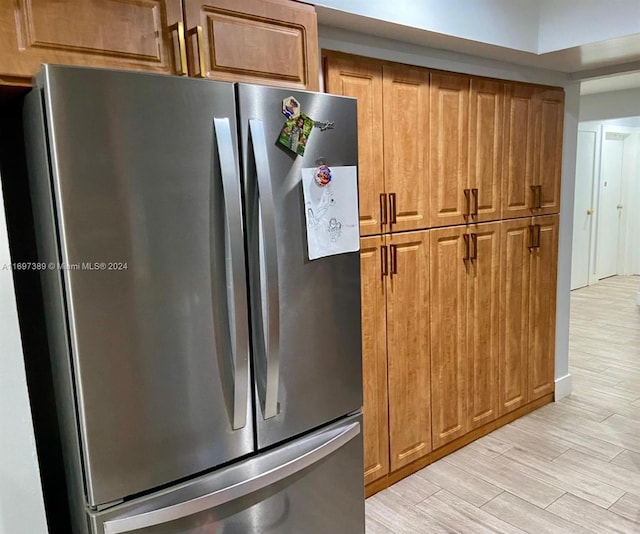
[(610, 205), (583, 208)]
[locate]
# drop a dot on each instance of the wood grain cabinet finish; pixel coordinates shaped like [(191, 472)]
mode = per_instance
[(449, 369), (408, 307), (483, 322), (486, 102), (374, 359), (363, 80), (272, 42), (406, 130), (449, 148), (515, 268), (542, 306), (123, 34)]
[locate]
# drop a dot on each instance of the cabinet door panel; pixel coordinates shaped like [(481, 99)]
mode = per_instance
[(270, 42), (449, 142), (406, 116), (518, 150), (125, 34), (362, 79), (483, 334), (448, 335), (542, 308), (549, 149), (485, 147), (514, 313), (408, 348), (374, 361)]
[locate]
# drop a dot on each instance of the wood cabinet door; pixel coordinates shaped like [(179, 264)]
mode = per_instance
[(408, 307), (406, 126), (449, 148), (542, 306), (514, 313), (483, 323), (361, 78), (518, 149), (123, 34), (449, 365), (374, 359), (485, 149), (271, 42), (548, 153)]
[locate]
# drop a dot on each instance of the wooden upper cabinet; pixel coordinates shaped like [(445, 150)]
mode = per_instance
[(123, 34), (548, 160), (449, 148), (449, 367), (519, 133), (272, 42), (406, 127), (362, 79), (374, 360), (542, 306), (485, 149), (483, 323), (514, 313), (408, 307)]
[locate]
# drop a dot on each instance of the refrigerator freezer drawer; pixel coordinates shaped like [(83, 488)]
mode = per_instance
[(312, 485)]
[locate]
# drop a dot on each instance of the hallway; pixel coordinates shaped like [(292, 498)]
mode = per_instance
[(570, 467)]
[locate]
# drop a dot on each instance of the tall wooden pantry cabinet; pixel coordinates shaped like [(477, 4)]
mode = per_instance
[(459, 183)]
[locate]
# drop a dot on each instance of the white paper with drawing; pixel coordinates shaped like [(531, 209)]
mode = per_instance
[(332, 212)]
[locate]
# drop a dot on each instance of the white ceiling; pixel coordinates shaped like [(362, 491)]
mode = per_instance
[(608, 64)]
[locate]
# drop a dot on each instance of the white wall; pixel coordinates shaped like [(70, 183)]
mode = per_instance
[(508, 23), (612, 105), (21, 502), (569, 23), (335, 39)]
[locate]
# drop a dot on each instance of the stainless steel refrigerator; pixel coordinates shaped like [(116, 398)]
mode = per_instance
[(207, 374)]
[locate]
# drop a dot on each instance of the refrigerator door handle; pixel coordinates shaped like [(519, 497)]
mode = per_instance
[(332, 440), (237, 289), (269, 266)]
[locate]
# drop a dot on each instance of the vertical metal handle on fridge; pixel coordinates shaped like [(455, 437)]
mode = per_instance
[(178, 27), (200, 49), (237, 297), (267, 214)]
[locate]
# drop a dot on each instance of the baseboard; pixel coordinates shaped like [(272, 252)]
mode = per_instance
[(563, 386)]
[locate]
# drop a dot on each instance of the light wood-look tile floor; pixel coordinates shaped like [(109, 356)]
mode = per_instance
[(570, 467)]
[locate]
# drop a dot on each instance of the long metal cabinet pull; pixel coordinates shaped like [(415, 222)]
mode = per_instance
[(466, 247), (532, 243), (392, 208), (267, 211), (238, 300), (467, 202), (383, 208), (474, 242), (537, 227), (537, 196), (393, 250), (384, 261), (200, 44), (235, 491), (178, 27), (474, 193)]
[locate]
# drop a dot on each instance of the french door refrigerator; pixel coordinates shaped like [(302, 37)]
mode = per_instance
[(207, 374)]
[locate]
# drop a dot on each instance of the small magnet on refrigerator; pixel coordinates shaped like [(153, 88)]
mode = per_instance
[(290, 107), (322, 175)]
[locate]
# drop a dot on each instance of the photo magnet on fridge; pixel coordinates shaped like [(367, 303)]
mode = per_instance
[(295, 133)]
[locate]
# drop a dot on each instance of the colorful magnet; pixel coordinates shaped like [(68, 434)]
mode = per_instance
[(322, 175), (295, 133), (290, 108)]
